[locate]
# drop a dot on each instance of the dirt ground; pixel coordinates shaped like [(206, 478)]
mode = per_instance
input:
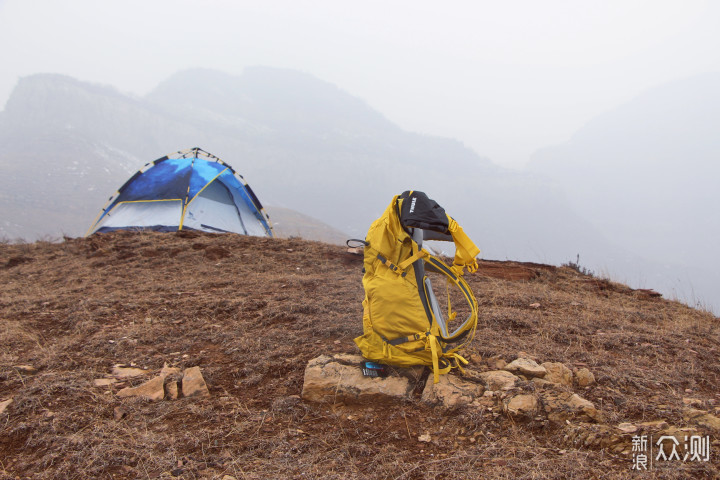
[(251, 312)]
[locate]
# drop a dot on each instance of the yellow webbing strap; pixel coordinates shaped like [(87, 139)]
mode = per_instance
[(406, 263), (465, 249), (434, 347)]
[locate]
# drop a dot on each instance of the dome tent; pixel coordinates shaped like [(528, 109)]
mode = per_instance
[(190, 189)]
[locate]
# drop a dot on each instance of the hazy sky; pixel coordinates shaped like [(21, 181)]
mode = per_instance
[(505, 77)]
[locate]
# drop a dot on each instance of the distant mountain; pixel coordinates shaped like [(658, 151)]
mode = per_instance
[(646, 175), (302, 143)]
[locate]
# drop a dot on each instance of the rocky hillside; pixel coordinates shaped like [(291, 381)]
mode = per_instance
[(84, 322)]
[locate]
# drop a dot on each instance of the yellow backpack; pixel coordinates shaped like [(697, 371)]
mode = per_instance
[(402, 321)]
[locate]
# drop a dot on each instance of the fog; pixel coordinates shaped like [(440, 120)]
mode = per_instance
[(609, 109), (506, 78)]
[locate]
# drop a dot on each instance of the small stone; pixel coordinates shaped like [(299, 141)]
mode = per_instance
[(229, 477), (425, 438), (524, 405), (4, 405), (167, 371), (702, 418), (193, 383), (496, 363), (527, 367), (627, 427), (152, 390), (121, 371), (499, 380), (104, 382), (172, 390), (26, 369), (654, 425), (558, 373), (692, 402), (535, 305), (119, 413), (451, 391), (584, 377)]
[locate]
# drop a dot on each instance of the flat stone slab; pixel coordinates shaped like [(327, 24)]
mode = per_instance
[(120, 371), (152, 390), (193, 383), (339, 379)]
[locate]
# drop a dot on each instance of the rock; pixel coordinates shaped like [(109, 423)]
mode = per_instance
[(4, 405), (228, 477), (152, 390), (331, 379), (526, 367), (193, 383), (167, 371), (451, 391), (26, 369), (120, 371), (702, 418), (104, 382), (692, 402), (535, 305), (425, 438), (119, 413), (171, 389), (496, 363), (654, 425), (627, 427), (558, 373), (584, 377), (499, 380), (542, 382), (523, 405), (561, 406)]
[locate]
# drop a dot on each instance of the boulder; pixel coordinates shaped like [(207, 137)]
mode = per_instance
[(152, 390), (584, 377), (524, 405), (558, 373), (526, 367), (193, 383), (451, 391), (339, 379), (499, 380)]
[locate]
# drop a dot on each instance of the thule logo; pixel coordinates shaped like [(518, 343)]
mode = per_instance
[(412, 204)]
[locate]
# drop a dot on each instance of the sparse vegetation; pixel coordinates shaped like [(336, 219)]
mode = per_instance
[(252, 311)]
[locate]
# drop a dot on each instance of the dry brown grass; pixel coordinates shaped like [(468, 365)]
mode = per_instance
[(251, 312)]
